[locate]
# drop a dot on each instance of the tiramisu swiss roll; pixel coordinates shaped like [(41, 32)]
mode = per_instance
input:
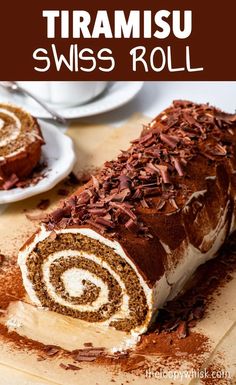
[(20, 142), (128, 241)]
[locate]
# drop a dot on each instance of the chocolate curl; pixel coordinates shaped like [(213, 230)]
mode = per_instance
[(162, 170), (11, 182), (164, 173), (84, 197), (98, 211), (173, 203), (125, 182), (132, 226), (218, 150), (170, 140), (178, 166), (125, 209), (95, 182), (160, 204), (57, 215), (105, 222), (121, 196), (145, 138), (189, 118), (144, 203)]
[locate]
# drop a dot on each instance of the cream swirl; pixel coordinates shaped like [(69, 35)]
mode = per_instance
[(86, 279)]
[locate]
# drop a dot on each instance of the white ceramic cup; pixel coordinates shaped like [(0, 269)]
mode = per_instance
[(65, 93)]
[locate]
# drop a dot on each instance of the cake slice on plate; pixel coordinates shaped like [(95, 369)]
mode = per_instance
[(20, 143)]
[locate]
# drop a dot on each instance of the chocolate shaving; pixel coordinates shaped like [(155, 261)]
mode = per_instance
[(84, 197), (131, 225), (37, 175), (69, 366), (97, 211), (144, 204), (81, 358), (170, 140), (51, 350), (178, 166), (58, 214), (164, 173), (160, 205), (189, 118), (219, 150), (88, 354), (125, 182), (173, 203), (11, 182), (105, 222), (121, 196), (95, 182), (143, 139), (125, 209)]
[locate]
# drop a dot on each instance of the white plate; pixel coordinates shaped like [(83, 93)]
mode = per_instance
[(116, 94), (59, 155)]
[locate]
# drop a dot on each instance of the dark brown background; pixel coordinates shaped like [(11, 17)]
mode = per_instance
[(212, 42)]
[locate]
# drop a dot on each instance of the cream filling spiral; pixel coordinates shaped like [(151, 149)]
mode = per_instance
[(77, 275), (74, 280)]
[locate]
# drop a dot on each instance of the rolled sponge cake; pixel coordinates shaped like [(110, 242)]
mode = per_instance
[(20, 142), (128, 241)]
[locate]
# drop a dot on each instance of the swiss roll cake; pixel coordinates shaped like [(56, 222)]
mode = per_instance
[(128, 241), (20, 142)]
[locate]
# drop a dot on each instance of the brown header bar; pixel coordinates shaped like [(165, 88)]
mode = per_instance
[(163, 42)]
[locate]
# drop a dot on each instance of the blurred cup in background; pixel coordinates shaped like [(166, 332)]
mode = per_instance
[(65, 93)]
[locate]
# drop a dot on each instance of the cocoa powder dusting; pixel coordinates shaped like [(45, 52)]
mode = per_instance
[(11, 286), (170, 345)]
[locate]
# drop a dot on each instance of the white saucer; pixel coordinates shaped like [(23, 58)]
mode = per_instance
[(58, 154), (116, 94)]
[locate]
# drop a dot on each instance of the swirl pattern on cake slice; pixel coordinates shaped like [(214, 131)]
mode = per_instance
[(20, 142)]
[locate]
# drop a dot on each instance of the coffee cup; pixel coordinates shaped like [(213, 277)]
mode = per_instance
[(65, 93)]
